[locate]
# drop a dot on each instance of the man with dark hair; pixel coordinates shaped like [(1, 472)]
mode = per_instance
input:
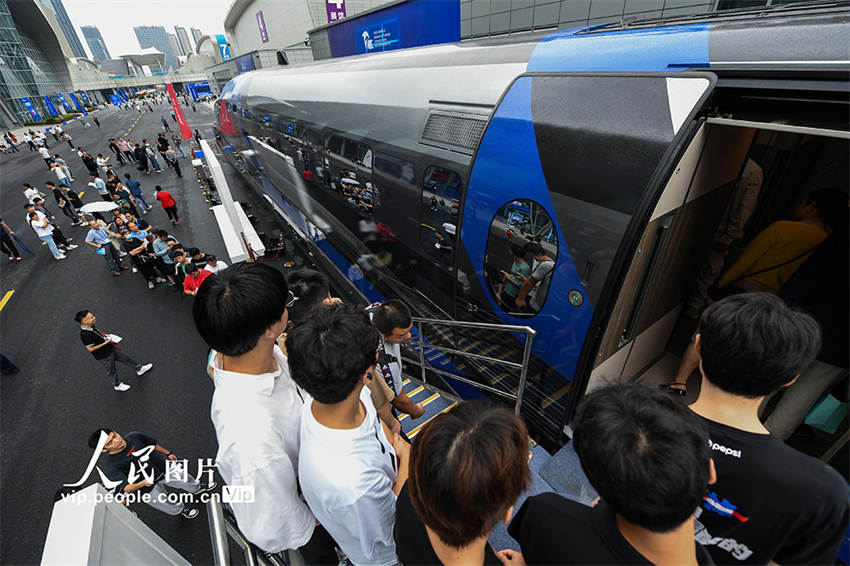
[(648, 457), (256, 407), (349, 472), (137, 462), (393, 321), (534, 289), (102, 347), (468, 466), (98, 237), (195, 277), (136, 190), (771, 503)]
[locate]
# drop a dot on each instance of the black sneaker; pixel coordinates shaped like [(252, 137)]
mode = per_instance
[(206, 488), (189, 513)]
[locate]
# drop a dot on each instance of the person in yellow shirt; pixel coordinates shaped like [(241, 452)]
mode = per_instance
[(772, 257)]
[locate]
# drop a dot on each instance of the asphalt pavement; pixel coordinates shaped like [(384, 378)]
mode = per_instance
[(61, 394)]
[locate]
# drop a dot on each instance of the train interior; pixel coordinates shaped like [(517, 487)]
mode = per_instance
[(651, 324)]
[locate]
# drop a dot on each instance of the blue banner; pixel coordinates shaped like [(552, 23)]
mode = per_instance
[(123, 93), (77, 103), (62, 99), (36, 116), (116, 100), (84, 97), (50, 107), (224, 47)]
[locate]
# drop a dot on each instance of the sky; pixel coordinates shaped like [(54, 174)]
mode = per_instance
[(115, 19)]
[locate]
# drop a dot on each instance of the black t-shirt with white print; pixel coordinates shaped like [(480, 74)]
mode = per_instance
[(770, 502)]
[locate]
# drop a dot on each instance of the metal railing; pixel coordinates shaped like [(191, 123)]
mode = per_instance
[(529, 332), (223, 525)]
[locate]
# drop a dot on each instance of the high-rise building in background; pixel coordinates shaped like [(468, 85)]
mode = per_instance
[(66, 25), (157, 37), (183, 38), (175, 44), (97, 46), (196, 34)]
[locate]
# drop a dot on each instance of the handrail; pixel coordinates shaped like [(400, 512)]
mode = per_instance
[(529, 332), (222, 525)]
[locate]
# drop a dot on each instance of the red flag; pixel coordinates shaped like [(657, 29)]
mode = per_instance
[(185, 130), (225, 121)]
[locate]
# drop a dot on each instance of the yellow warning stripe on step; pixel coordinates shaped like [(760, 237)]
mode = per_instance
[(416, 430), (424, 403)]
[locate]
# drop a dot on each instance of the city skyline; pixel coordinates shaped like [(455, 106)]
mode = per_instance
[(116, 19)]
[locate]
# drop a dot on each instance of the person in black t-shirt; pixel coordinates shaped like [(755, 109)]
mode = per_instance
[(137, 463), (102, 347), (771, 502), (467, 468), (648, 457)]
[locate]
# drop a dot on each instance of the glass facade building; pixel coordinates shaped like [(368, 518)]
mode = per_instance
[(157, 37), (67, 27), (97, 46)]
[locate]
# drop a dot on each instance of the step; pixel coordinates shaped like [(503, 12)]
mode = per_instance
[(563, 472)]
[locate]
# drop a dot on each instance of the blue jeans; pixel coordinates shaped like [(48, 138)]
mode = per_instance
[(140, 198), (52, 245), (155, 162), (180, 149)]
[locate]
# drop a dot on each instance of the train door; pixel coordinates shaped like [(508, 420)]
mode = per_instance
[(571, 162)]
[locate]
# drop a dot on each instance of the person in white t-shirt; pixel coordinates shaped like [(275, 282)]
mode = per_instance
[(256, 408), (213, 264), (41, 224), (349, 470), (45, 154)]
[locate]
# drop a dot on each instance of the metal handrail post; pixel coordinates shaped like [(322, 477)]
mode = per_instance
[(218, 533), (523, 375), (421, 352)]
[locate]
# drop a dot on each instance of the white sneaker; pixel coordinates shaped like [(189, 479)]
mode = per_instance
[(144, 369), (71, 246), (135, 270), (61, 256), (121, 387)]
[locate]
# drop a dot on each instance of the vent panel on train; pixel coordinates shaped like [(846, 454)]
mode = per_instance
[(454, 130)]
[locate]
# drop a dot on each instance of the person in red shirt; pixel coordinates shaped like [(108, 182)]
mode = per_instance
[(168, 203), (195, 275)]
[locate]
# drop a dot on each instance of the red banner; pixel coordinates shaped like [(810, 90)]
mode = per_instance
[(225, 122), (185, 130)]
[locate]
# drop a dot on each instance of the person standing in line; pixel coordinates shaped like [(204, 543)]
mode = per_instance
[(195, 277), (171, 159), (136, 190), (99, 238), (100, 186), (198, 137), (46, 156), (165, 125), (62, 164), (68, 139), (42, 227), (8, 139), (42, 139), (240, 313), (64, 204), (60, 173), (6, 244), (89, 162), (58, 237), (213, 264), (168, 203), (120, 464), (141, 157), (102, 347), (349, 471), (151, 154), (52, 132), (125, 149), (96, 121), (28, 139), (120, 190), (119, 155), (101, 164), (71, 197)]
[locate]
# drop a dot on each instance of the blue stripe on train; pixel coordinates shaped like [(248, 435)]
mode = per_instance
[(669, 48)]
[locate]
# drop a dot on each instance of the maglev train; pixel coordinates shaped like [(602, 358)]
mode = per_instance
[(425, 174)]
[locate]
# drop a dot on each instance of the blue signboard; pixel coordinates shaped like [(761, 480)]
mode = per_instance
[(62, 100), (245, 63), (84, 97), (380, 36), (79, 106), (36, 116), (223, 46), (410, 24), (116, 100), (123, 94), (50, 107), (197, 89)]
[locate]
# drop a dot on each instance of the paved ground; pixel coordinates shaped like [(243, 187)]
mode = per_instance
[(61, 394)]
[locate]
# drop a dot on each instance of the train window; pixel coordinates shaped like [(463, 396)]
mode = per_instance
[(349, 151), (394, 167), (522, 244), (335, 145), (441, 192)]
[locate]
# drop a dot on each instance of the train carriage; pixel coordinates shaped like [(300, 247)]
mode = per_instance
[(616, 148)]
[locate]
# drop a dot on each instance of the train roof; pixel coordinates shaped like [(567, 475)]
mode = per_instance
[(380, 96)]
